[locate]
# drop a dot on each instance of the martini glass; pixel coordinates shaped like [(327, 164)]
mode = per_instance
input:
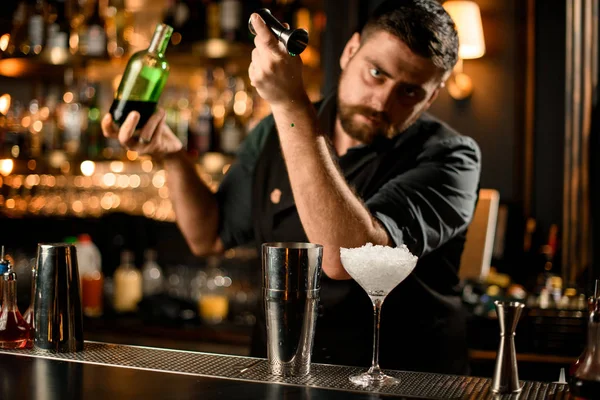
[(378, 270)]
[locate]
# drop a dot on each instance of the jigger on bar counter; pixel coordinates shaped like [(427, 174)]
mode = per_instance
[(295, 40), (506, 374)]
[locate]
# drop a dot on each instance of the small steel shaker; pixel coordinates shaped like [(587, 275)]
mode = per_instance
[(506, 374), (58, 318), (294, 40), (291, 284)]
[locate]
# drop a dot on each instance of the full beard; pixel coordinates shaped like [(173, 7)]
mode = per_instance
[(363, 131)]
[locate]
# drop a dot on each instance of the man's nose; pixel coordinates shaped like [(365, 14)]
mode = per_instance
[(381, 100)]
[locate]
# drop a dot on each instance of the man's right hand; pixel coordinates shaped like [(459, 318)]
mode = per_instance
[(155, 138)]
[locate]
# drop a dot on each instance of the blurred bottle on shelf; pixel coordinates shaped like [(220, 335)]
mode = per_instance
[(202, 131), (17, 43), (176, 106), (179, 15), (92, 39), (58, 33), (72, 116), (93, 139), (37, 27), (213, 303), (15, 141), (152, 274), (89, 261), (213, 20), (233, 129), (127, 284), (118, 28), (230, 16)]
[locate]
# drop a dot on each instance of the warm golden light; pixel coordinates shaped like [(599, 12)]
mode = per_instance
[(158, 180), (123, 181), (15, 151), (65, 167), (87, 167), (4, 40), (6, 166), (5, 103), (77, 206), (37, 126), (58, 55), (56, 158), (68, 97), (467, 17), (216, 48), (109, 179), (44, 113), (132, 155), (147, 165), (26, 121), (218, 110), (213, 162), (134, 181), (117, 166), (239, 107)]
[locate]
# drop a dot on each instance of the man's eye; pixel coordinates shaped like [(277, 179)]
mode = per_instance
[(375, 73), (409, 92)]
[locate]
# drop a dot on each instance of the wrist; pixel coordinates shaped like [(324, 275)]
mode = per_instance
[(293, 104)]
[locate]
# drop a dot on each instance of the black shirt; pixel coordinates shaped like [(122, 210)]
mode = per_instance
[(422, 185)]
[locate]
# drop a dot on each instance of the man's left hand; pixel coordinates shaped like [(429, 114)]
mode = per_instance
[(276, 75)]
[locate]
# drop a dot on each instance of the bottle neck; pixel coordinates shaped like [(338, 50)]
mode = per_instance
[(160, 40), (9, 295)]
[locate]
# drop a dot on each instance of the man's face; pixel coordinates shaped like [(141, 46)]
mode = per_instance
[(384, 87)]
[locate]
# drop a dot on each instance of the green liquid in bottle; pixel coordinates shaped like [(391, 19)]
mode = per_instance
[(143, 80)]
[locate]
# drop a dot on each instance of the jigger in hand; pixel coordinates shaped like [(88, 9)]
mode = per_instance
[(295, 40)]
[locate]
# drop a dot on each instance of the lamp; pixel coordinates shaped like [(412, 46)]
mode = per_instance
[(467, 18)]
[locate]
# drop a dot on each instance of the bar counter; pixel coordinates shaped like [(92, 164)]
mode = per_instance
[(119, 372)]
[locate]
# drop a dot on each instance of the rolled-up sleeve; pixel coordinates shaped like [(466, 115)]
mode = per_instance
[(429, 204), (234, 195)]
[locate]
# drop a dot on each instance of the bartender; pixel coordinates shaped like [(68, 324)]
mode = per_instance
[(365, 164)]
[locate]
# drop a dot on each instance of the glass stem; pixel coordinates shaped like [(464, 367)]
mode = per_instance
[(375, 370)]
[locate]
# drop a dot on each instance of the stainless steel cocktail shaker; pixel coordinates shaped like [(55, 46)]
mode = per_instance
[(291, 282)]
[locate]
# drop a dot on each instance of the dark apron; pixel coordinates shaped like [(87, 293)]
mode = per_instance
[(421, 329)]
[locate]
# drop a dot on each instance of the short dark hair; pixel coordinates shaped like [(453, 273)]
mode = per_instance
[(423, 25)]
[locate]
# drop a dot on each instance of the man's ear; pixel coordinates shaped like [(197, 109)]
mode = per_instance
[(350, 49)]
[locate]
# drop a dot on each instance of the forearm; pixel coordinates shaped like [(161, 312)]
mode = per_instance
[(194, 204), (330, 212)]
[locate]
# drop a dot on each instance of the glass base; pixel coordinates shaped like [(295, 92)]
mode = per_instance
[(375, 379)]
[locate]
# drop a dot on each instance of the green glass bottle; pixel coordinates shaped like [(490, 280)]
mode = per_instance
[(143, 80)]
